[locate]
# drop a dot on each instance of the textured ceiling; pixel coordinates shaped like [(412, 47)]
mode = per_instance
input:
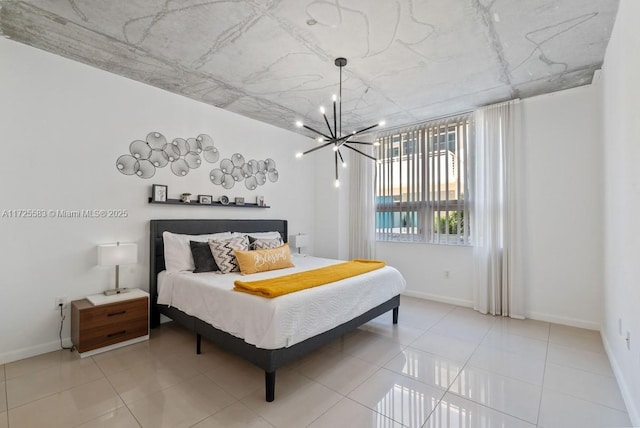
[(409, 60)]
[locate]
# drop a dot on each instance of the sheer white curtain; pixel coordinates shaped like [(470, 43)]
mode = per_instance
[(497, 289), (362, 212)]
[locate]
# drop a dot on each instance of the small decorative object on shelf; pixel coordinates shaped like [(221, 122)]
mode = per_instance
[(239, 201), (205, 199), (186, 198), (159, 193), (260, 200), (224, 200)]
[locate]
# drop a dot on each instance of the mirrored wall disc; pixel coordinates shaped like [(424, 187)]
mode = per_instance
[(246, 170), (193, 145), (181, 145), (272, 175), (254, 166), (159, 158), (261, 178), (173, 153), (193, 160), (211, 154), (127, 164), (180, 167), (251, 183), (262, 166), (216, 176), (271, 164), (237, 174), (156, 140), (237, 159), (140, 149), (146, 169), (204, 141), (228, 182), (226, 165)]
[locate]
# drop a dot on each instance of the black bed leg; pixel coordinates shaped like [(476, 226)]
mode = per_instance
[(270, 385), (198, 343), (395, 314)]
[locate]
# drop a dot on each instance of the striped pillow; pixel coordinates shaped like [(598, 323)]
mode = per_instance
[(222, 251)]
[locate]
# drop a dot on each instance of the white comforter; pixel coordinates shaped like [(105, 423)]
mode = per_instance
[(285, 320)]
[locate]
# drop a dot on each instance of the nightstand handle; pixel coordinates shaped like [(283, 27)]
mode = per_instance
[(119, 333), (116, 313)]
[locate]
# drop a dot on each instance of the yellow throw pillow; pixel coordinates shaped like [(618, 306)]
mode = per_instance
[(263, 260)]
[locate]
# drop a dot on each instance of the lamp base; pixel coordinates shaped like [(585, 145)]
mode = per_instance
[(114, 291)]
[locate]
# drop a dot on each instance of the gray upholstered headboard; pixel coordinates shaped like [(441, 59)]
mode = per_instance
[(196, 227)]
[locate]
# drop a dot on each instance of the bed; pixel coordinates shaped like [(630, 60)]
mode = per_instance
[(269, 354)]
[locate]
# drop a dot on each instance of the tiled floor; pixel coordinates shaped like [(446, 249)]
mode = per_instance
[(441, 366)]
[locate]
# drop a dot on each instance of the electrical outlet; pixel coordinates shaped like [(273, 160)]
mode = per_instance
[(628, 339), (64, 301)]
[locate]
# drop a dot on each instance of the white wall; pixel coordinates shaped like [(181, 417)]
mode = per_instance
[(621, 143), (559, 181), (561, 187), (63, 126)]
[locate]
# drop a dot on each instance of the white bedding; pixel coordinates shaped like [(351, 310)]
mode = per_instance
[(285, 320)]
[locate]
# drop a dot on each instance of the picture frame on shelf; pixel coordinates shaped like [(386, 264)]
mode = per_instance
[(159, 193), (205, 199), (239, 201)]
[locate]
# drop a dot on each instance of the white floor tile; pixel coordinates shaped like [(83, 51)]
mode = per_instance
[(517, 366), (448, 347), (457, 412), (580, 338), (371, 348), (515, 344), (511, 396), (3, 397), (297, 409), (398, 397), (594, 362), (354, 415), (181, 405), (559, 410), (585, 385), (424, 367), (235, 416), (119, 418), (4, 420), (340, 372), (528, 328)]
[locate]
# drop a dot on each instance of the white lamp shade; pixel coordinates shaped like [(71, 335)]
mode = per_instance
[(300, 241), (117, 254)]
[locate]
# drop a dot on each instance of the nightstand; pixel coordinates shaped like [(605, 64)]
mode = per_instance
[(101, 323)]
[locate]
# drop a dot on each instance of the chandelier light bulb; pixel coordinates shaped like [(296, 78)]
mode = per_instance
[(337, 184), (334, 97), (299, 124), (377, 143), (344, 164), (335, 148), (322, 109), (320, 139), (382, 123), (299, 154)]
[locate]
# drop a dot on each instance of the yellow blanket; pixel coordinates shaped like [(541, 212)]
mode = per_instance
[(274, 287)]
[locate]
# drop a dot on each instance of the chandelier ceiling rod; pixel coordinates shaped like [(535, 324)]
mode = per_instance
[(336, 138)]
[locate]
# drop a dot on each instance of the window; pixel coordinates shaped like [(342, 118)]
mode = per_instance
[(421, 183)]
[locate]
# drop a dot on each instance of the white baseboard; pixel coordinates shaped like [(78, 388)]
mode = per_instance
[(441, 299), (632, 405), (32, 351), (572, 322)]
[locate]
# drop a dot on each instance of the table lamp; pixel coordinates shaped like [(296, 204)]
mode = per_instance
[(300, 241), (115, 255)]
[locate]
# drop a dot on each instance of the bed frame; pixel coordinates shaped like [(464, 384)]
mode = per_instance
[(267, 359)]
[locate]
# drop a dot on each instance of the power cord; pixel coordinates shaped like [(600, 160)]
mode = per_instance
[(62, 317)]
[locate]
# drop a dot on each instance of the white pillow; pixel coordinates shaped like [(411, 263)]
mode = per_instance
[(177, 251), (264, 235)]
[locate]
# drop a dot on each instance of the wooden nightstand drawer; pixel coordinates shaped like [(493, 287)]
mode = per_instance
[(98, 326)]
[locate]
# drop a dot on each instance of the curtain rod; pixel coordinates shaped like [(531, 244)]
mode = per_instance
[(423, 122)]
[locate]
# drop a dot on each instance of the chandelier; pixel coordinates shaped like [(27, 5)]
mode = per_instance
[(334, 136)]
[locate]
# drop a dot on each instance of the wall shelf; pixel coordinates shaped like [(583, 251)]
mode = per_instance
[(195, 203)]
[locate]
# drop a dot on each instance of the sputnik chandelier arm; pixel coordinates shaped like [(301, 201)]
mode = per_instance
[(335, 137)]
